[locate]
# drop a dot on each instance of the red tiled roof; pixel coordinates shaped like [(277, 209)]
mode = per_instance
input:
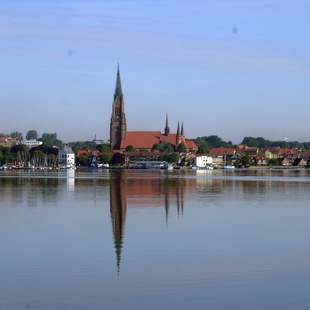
[(251, 151), (141, 139), (191, 144), (7, 139), (171, 138), (146, 140), (87, 152), (82, 152), (221, 151)]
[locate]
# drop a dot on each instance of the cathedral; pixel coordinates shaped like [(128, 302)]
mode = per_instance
[(121, 138)]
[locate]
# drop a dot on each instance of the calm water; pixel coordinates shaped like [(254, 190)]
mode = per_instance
[(155, 240)]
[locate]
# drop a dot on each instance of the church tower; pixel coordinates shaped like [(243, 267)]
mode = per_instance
[(118, 125), (167, 128), (178, 135)]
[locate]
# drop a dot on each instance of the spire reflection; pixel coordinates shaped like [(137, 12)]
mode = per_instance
[(118, 209), (158, 192)]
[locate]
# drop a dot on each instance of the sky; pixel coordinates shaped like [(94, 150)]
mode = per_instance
[(233, 68)]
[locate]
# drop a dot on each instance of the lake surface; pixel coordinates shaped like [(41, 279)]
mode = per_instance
[(155, 240)]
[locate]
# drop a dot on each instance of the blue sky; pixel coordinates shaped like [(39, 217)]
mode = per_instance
[(226, 67)]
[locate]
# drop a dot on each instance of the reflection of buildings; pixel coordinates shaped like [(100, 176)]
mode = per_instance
[(141, 192), (174, 189), (70, 173), (118, 209)]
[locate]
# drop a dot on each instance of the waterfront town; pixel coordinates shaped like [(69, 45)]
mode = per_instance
[(146, 149)]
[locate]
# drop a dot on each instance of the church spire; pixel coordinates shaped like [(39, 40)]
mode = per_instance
[(118, 86), (178, 130), (178, 135), (182, 130), (167, 129), (118, 126)]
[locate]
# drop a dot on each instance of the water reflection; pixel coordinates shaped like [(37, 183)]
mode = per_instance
[(134, 191), (175, 237), (70, 174), (145, 189), (118, 209)]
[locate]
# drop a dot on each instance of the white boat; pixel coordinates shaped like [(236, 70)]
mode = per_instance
[(169, 167), (229, 167), (100, 165)]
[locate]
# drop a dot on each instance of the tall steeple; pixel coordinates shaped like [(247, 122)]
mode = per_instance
[(118, 126), (167, 129), (118, 87), (178, 129), (182, 130), (178, 136)]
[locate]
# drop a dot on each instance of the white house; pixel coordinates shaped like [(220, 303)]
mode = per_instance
[(32, 143), (66, 158), (203, 161)]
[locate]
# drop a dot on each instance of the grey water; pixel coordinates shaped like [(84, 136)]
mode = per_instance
[(155, 240)]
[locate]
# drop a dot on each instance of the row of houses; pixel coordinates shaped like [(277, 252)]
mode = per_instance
[(260, 156)]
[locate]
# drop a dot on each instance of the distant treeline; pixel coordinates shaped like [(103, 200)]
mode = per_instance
[(263, 143), (208, 142)]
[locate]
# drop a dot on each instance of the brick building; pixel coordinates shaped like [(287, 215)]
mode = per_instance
[(121, 138)]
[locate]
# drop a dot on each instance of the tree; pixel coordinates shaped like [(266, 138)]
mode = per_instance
[(203, 148), (163, 147), (105, 157), (156, 147), (52, 160), (32, 135), (21, 153), (16, 134), (5, 155), (38, 158), (244, 161), (256, 142), (82, 161), (130, 148), (104, 148), (181, 148), (212, 141), (167, 148), (83, 145), (50, 139), (274, 162), (170, 158), (19, 148)]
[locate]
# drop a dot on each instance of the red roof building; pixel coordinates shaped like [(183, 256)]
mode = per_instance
[(121, 138), (7, 141), (145, 140), (222, 151)]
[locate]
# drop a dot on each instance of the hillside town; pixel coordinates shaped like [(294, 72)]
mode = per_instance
[(162, 149)]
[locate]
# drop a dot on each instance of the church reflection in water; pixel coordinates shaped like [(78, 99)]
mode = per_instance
[(118, 209), (164, 192), (171, 192)]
